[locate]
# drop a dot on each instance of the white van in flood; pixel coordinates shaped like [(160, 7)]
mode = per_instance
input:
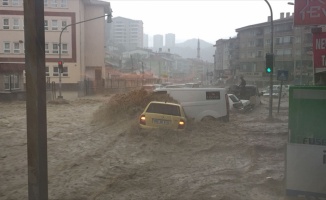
[(201, 103)]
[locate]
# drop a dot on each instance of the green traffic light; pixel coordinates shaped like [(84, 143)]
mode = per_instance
[(268, 70)]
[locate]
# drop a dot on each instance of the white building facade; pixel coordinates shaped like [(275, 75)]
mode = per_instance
[(126, 33), (157, 42)]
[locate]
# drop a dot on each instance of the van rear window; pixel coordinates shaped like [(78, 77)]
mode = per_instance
[(165, 109), (213, 95)]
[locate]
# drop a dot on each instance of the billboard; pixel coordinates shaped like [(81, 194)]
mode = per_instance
[(319, 49), (309, 12), (307, 105)]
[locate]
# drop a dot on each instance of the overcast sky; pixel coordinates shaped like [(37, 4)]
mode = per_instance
[(207, 20)]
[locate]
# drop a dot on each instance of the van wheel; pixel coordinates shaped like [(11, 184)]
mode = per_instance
[(207, 118)]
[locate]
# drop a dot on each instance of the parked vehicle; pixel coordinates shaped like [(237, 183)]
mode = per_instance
[(201, 103), (276, 88), (237, 104), (151, 87), (163, 115), (275, 93), (251, 93)]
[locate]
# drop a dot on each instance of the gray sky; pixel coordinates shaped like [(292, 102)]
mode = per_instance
[(207, 20)]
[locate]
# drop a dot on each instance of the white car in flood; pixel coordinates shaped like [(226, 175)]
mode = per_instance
[(237, 104)]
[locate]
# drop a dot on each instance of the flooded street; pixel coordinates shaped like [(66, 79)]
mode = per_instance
[(242, 159)]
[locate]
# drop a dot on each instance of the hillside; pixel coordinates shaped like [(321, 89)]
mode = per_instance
[(188, 49)]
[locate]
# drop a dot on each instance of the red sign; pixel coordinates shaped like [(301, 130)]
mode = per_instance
[(309, 12), (319, 49)]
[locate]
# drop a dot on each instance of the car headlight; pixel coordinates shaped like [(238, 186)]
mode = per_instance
[(142, 120)]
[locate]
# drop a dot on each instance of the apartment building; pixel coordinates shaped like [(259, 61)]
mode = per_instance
[(157, 42), (169, 40), (125, 33), (82, 49), (292, 49)]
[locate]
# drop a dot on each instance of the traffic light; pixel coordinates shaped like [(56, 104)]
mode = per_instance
[(269, 63), (60, 65)]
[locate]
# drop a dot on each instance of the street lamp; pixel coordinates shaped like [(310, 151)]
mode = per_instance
[(108, 20), (270, 116)]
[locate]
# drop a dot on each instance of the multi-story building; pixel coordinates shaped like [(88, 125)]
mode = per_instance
[(292, 50), (82, 49), (225, 58), (157, 42), (169, 40), (125, 33), (292, 47)]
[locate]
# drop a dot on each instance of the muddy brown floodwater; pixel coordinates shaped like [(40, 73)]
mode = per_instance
[(240, 160)]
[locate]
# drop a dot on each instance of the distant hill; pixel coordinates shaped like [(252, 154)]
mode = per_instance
[(188, 49), (192, 43)]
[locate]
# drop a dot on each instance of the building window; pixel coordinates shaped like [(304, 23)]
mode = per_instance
[(45, 3), (15, 24), (55, 48), (47, 73), (63, 3), (287, 52), (46, 25), (16, 2), (297, 39), (54, 3), (65, 71), (5, 24), (280, 52), (278, 40), (55, 71), (47, 48), (6, 47), (64, 48), (287, 39), (11, 81), (267, 42), (54, 25), (63, 24), (16, 47), (5, 2)]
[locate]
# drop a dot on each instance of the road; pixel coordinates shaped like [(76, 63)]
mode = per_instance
[(91, 159)]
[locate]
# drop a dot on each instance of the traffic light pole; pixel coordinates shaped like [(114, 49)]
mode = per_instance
[(109, 15), (270, 115)]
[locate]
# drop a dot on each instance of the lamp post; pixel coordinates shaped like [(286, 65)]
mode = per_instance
[(109, 20), (270, 116)]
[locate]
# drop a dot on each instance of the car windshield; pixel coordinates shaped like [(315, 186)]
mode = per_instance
[(77, 75), (234, 98), (165, 109)]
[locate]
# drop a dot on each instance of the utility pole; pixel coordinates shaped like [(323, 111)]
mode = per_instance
[(37, 163), (270, 115)]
